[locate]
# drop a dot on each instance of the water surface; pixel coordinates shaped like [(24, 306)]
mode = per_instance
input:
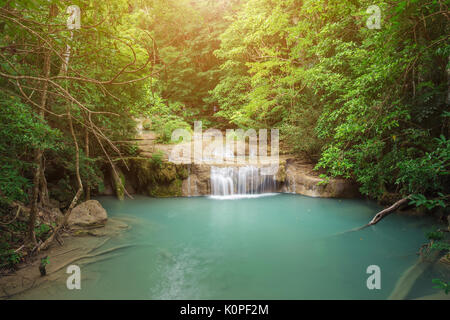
[(281, 246)]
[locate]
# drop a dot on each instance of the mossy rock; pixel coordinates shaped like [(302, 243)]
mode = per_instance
[(157, 179), (167, 172), (281, 174), (173, 189), (182, 172)]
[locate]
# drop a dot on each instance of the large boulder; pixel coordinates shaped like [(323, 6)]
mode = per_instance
[(301, 178), (88, 214)]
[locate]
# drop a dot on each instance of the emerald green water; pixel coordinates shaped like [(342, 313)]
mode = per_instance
[(274, 247)]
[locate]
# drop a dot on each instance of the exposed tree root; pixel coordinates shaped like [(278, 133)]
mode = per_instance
[(409, 277), (98, 259), (15, 217), (86, 256)]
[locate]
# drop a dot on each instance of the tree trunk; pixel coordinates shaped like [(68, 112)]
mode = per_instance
[(77, 196), (86, 144), (53, 11), (43, 192), (38, 155)]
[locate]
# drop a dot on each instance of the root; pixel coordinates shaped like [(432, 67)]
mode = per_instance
[(99, 259), (409, 277), (15, 217), (86, 256)]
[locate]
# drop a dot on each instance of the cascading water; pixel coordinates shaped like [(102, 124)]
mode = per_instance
[(246, 180)]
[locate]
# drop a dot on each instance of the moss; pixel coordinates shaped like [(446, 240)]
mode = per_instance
[(158, 180), (120, 187), (182, 172), (167, 173), (281, 174), (173, 189)]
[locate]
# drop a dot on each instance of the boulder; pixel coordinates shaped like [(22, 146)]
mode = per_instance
[(88, 214), (301, 178)]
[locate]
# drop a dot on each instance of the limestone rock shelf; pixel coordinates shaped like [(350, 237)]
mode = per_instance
[(161, 178)]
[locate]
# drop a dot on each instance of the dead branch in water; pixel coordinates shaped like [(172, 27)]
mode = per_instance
[(383, 213), (380, 215)]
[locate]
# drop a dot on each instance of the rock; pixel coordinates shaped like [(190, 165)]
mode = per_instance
[(88, 214), (189, 187), (165, 190), (200, 179), (281, 173), (155, 178), (302, 179)]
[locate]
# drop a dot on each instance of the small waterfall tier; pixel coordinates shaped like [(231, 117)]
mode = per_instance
[(246, 180)]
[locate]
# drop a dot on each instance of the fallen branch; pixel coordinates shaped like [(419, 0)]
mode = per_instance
[(380, 215), (383, 213)]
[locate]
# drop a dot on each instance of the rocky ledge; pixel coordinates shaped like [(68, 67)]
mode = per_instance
[(151, 173)]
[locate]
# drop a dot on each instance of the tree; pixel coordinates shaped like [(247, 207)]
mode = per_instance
[(34, 41)]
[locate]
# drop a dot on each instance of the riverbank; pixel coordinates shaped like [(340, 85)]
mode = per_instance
[(80, 247)]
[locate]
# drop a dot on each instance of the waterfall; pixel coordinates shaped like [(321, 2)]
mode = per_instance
[(247, 180)]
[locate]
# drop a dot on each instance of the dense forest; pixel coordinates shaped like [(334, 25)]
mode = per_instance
[(367, 104)]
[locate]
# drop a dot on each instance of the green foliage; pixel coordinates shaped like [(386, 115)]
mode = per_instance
[(420, 200), (147, 124), (435, 235), (8, 256), (441, 246), (157, 158), (368, 105), (325, 180), (429, 173), (164, 117), (347, 96), (45, 261), (441, 285), (42, 231), (132, 149), (22, 133)]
